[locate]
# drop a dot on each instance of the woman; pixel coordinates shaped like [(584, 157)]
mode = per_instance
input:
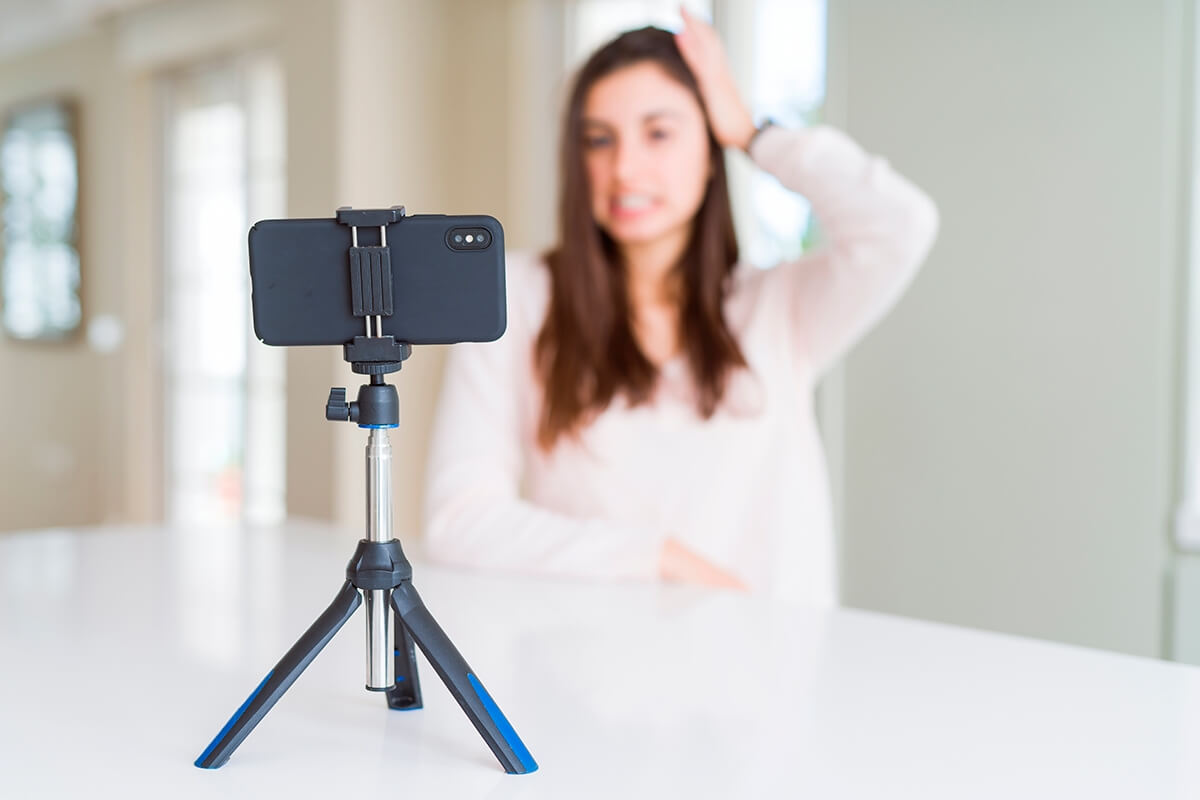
[(648, 413)]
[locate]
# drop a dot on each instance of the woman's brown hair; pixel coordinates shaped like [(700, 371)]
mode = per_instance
[(587, 352)]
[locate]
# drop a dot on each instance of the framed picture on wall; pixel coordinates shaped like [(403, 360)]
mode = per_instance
[(39, 199)]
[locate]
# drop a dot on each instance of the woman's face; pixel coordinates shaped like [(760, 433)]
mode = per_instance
[(646, 152)]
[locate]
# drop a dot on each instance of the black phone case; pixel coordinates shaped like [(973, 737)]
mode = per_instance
[(301, 292)]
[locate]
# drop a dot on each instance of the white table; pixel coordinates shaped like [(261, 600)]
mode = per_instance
[(124, 651)]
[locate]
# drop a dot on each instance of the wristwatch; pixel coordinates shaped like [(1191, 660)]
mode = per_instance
[(762, 126)]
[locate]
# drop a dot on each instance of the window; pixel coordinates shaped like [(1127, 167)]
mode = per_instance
[(39, 190), (788, 86), (224, 161)]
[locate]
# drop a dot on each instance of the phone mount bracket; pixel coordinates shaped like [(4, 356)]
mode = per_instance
[(371, 292)]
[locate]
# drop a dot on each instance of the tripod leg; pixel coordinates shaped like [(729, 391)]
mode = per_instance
[(280, 678), (406, 694), (452, 668)]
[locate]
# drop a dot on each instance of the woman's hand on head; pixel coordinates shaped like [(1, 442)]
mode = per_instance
[(678, 564), (701, 48)]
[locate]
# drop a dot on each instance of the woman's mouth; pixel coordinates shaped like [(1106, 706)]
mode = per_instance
[(630, 205)]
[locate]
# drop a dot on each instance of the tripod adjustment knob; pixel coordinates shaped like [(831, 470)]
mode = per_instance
[(337, 409)]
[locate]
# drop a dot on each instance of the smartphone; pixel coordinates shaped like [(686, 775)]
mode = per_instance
[(447, 280)]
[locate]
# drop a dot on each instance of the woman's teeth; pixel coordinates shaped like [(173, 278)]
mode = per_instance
[(633, 202)]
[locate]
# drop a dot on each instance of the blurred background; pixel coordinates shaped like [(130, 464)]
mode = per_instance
[(1014, 448)]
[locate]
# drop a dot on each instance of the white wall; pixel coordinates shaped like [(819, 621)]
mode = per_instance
[(1010, 430)]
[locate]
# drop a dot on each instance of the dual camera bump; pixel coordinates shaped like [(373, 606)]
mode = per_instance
[(468, 238)]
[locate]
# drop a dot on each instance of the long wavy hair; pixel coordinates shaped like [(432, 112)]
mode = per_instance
[(587, 352)]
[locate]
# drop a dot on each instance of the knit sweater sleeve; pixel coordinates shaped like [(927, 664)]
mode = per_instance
[(878, 228), (474, 515)]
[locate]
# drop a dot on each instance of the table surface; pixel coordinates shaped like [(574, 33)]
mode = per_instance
[(125, 650)]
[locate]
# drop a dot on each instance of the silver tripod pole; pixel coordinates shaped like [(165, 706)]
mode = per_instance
[(381, 664)]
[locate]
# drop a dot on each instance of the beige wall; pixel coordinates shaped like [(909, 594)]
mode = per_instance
[(59, 462)]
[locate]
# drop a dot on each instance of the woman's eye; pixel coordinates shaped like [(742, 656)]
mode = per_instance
[(592, 142), (659, 134)]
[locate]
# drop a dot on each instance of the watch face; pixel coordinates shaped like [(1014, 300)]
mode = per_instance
[(762, 126)]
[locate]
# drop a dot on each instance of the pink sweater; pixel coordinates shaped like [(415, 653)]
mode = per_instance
[(748, 488)]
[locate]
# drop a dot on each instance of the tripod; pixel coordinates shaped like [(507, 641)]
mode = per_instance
[(378, 568)]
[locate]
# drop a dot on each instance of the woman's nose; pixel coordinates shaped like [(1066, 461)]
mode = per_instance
[(629, 161)]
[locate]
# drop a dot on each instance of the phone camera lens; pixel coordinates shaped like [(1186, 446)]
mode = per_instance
[(458, 238), (482, 238)]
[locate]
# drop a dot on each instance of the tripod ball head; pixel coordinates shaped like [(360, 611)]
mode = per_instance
[(377, 406)]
